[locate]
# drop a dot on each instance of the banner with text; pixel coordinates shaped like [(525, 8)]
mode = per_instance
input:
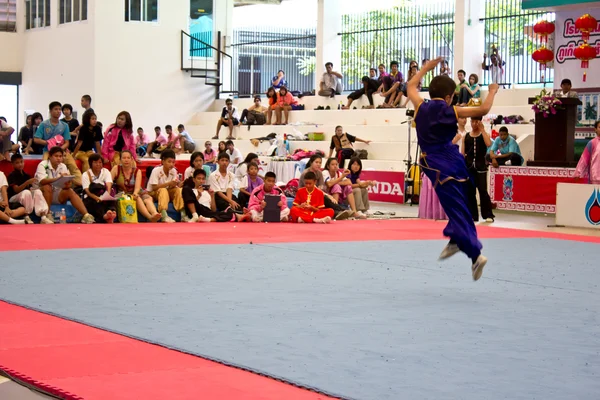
[(389, 187)]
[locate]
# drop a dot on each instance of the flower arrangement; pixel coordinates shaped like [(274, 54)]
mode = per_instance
[(546, 103)]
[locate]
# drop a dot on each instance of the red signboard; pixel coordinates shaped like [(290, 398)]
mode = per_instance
[(530, 189), (389, 187)]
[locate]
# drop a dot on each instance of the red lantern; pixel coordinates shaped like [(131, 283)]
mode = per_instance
[(586, 24), (585, 53), (543, 56), (544, 28)]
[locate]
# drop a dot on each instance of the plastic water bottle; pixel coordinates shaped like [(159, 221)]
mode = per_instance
[(63, 216)]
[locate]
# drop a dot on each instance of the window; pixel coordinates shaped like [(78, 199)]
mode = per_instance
[(8, 15), (72, 10), (37, 13), (141, 10)]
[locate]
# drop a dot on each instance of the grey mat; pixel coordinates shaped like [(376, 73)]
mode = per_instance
[(372, 320)]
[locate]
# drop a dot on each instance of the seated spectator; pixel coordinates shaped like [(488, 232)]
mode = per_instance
[(588, 166), (141, 142), (285, 101), (309, 204), (173, 141), (163, 186), (461, 74), (272, 97), (342, 143), (242, 168), (445, 68), (89, 140), (372, 73), (6, 132), (37, 120), (412, 71), (565, 90), (257, 203), (128, 179), (331, 82), (96, 181), (118, 137), (359, 187), (210, 156), (255, 114), (222, 183), (196, 162), (20, 190), (370, 86), (339, 186), (470, 92), (25, 138), (278, 80), (234, 154), (249, 182), (8, 213), (229, 118), (392, 85), (505, 150), (186, 142), (67, 111), (222, 147), (159, 144), (200, 203), (48, 172), (382, 73), (53, 132)]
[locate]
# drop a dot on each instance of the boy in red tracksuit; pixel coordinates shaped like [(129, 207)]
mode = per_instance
[(309, 204)]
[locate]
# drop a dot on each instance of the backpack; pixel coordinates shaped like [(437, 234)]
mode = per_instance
[(362, 154), (256, 118), (291, 188)]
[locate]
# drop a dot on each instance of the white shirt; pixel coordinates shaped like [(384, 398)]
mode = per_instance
[(241, 172), (103, 178), (330, 81), (204, 199), (45, 171), (189, 171), (3, 182), (158, 177), (234, 112), (235, 156), (220, 183)]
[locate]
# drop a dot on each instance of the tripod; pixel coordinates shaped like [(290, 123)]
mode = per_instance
[(410, 189)]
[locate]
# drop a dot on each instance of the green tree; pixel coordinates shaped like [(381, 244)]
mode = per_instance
[(590, 112)]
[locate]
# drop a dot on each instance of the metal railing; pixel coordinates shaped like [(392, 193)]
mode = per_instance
[(510, 29)]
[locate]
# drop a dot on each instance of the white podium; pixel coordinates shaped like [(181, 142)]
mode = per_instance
[(578, 205)]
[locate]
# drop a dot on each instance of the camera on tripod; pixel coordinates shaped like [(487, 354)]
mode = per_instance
[(410, 113)]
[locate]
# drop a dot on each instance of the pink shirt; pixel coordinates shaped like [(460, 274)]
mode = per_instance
[(211, 154), (589, 163), (141, 140), (174, 138), (110, 139), (258, 195)]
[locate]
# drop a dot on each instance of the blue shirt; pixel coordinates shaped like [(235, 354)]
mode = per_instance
[(437, 124), (282, 82), (47, 131), (509, 145), (186, 136)]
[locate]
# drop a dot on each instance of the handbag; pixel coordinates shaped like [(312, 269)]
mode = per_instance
[(127, 210)]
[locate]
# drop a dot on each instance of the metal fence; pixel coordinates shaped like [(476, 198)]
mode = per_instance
[(414, 31), (510, 29), (261, 52)]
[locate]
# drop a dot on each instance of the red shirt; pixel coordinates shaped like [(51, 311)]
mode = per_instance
[(316, 198)]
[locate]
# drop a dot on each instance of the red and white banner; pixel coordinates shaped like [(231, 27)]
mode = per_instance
[(527, 188), (389, 187)]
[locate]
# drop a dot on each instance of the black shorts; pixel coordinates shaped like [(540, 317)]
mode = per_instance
[(234, 120)]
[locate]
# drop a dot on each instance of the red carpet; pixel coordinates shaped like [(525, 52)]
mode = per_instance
[(66, 357), (49, 237)]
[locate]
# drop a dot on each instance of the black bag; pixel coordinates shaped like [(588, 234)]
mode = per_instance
[(362, 154), (255, 118)]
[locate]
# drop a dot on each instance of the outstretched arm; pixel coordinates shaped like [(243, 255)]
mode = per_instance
[(468, 112), (412, 89)]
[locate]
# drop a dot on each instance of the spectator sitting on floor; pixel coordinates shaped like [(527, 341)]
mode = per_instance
[(159, 143), (392, 85), (470, 94), (20, 189), (285, 101), (565, 90), (370, 86), (505, 150), (222, 183), (272, 103), (196, 162), (118, 137), (186, 142), (200, 203), (173, 141), (48, 172), (249, 182), (89, 139), (309, 204), (255, 114), (141, 142), (96, 181), (6, 132), (342, 143), (279, 80), (163, 186), (36, 119), (229, 117), (359, 187), (461, 74), (8, 213), (234, 154), (128, 179), (339, 186), (257, 201), (331, 82)]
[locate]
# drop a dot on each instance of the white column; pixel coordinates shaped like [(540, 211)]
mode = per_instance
[(329, 43), (468, 53)]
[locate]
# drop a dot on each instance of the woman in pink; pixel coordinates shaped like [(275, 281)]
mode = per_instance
[(118, 137), (285, 101), (589, 163)]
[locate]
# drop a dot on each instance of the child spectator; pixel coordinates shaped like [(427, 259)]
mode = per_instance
[(257, 202), (210, 155), (309, 204), (186, 142), (118, 137), (285, 101), (163, 186), (279, 80), (128, 179), (339, 186), (89, 139), (20, 190), (173, 141), (234, 154), (141, 142), (47, 173), (272, 97), (95, 182), (200, 203), (470, 92), (67, 111), (359, 187), (8, 215), (342, 143), (249, 182), (25, 137), (196, 162), (222, 182), (229, 117), (242, 168), (159, 143)]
